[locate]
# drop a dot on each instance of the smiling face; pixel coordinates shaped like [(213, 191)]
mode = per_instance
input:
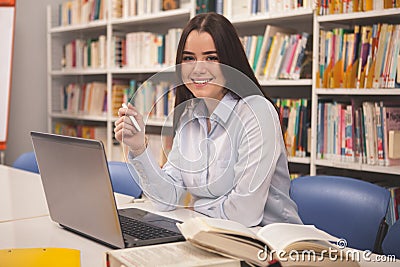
[(201, 70)]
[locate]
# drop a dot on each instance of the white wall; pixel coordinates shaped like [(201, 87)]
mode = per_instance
[(28, 92)]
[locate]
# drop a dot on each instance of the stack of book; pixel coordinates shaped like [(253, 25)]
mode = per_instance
[(81, 11), (129, 8), (82, 54), (87, 99), (245, 9), (365, 57), (295, 121), (348, 6), (359, 132), (278, 54), (145, 49)]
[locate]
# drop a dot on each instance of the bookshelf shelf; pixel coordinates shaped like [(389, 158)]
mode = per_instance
[(301, 14), (340, 91), (155, 18), (159, 122), (91, 26), (78, 72), (356, 166), (381, 169), (102, 118), (142, 70), (301, 160), (371, 16), (301, 82)]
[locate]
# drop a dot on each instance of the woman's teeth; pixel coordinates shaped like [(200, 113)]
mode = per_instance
[(201, 81)]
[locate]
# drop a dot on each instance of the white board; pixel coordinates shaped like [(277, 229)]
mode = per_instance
[(6, 44)]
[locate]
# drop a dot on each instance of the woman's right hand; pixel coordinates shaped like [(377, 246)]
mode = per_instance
[(125, 131)]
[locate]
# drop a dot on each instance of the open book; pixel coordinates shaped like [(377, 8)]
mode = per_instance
[(291, 244)]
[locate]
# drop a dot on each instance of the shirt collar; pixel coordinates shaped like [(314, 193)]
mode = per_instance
[(197, 108), (225, 108)]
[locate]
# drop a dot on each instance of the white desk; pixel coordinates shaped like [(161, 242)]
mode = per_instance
[(21, 195), (24, 222), (41, 232)]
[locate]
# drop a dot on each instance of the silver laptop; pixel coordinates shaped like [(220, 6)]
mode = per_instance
[(80, 196)]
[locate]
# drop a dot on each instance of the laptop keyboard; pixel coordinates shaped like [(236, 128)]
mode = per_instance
[(143, 231)]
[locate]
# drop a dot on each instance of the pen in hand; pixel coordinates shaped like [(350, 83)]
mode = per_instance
[(133, 120)]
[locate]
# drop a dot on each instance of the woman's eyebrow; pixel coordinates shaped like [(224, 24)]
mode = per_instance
[(204, 53), (209, 52)]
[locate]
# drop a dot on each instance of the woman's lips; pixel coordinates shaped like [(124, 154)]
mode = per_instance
[(201, 82)]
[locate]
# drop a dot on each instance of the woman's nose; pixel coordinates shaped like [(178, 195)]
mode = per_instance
[(200, 67)]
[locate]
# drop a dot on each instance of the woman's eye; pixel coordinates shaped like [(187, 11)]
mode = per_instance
[(188, 58), (212, 58)]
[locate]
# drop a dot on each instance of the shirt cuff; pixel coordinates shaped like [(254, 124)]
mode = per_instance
[(211, 207)]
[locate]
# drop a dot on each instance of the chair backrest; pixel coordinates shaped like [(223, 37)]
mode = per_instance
[(391, 243), (27, 161), (344, 207), (122, 179)]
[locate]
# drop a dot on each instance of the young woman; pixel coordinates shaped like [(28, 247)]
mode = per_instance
[(228, 151)]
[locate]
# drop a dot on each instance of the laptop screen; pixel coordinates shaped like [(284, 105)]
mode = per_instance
[(77, 186)]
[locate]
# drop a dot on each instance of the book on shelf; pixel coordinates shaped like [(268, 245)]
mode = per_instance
[(169, 254), (394, 206), (394, 144), (241, 9), (370, 133), (169, 4), (391, 123), (272, 242), (204, 6)]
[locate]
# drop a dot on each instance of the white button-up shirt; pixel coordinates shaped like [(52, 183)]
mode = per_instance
[(237, 170)]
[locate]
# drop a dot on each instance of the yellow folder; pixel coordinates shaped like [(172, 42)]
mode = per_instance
[(40, 257)]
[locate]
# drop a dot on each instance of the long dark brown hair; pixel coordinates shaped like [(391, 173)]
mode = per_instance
[(230, 52)]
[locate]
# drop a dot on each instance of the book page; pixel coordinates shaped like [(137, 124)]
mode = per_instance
[(280, 235), (195, 225), (228, 226), (170, 254)]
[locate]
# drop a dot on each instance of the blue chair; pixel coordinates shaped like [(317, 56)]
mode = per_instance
[(122, 179), (344, 207), (27, 161), (391, 243)]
